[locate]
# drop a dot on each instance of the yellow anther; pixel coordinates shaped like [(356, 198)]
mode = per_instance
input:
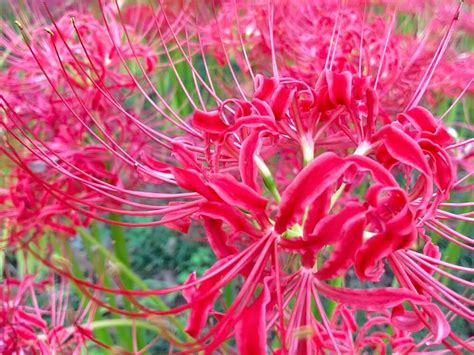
[(61, 261)]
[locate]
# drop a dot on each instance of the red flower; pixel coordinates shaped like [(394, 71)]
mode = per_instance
[(300, 184), (29, 326)]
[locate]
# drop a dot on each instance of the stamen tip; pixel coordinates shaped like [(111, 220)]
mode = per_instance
[(19, 25), (48, 30)]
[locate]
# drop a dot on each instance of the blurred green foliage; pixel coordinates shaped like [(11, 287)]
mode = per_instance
[(159, 253)]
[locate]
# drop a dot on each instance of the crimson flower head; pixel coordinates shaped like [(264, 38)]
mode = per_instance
[(308, 159)]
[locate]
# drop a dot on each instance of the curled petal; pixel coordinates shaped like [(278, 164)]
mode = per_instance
[(155, 164), (379, 173), (262, 107), (369, 299), (428, 126), (368, 263), (179, 220), (432, 251), (372, 111), (199, 312), (230, 215), (191, 180), (339, 87), (209, 122), (264, 87), (255, 121), (343, 254), (307, 186), (331, 228), (281, 100), (410, 321), (237, 194), (439, 325), (217, 238), (443, 170), (247, 167), (316, 212), (405, 149), (250, 330), (405, 320), (186, 158)]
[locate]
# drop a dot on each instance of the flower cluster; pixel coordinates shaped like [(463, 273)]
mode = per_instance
[(66, 91), (305, 155), (40, 326)]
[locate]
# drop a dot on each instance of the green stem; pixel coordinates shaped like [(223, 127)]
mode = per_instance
[(106, 324), (453, 252), (308, 151), (336, 195), (337, 282), (20, 260), (98, 265), (3, 245), (123, 322), (131, 275), (228, 293), (117, 235), (268, 179)]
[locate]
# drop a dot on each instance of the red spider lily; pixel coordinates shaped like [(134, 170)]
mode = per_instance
[(61, 124), (437, 10), (340, 37), (373, 336), (297, 183), (31, 208), (39, 327), (91, 52)]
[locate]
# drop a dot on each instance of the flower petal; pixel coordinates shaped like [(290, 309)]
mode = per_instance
[(339, 87), (281, 100), (316, 212), (443, 170), (209, 122), (250, 330), (405, 320), (186, 158), (264, 87), (311, 182), (371, 299), (429, 127), (191, 180), (217, 238), (233, 217), (343, 254), (378, 171), (405, 149), (200, 310), (237, 194), (248, 170)]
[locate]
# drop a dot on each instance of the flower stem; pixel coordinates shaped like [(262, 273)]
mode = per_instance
[(308, 151), (268, 179), (136, 280), (117, 236)]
